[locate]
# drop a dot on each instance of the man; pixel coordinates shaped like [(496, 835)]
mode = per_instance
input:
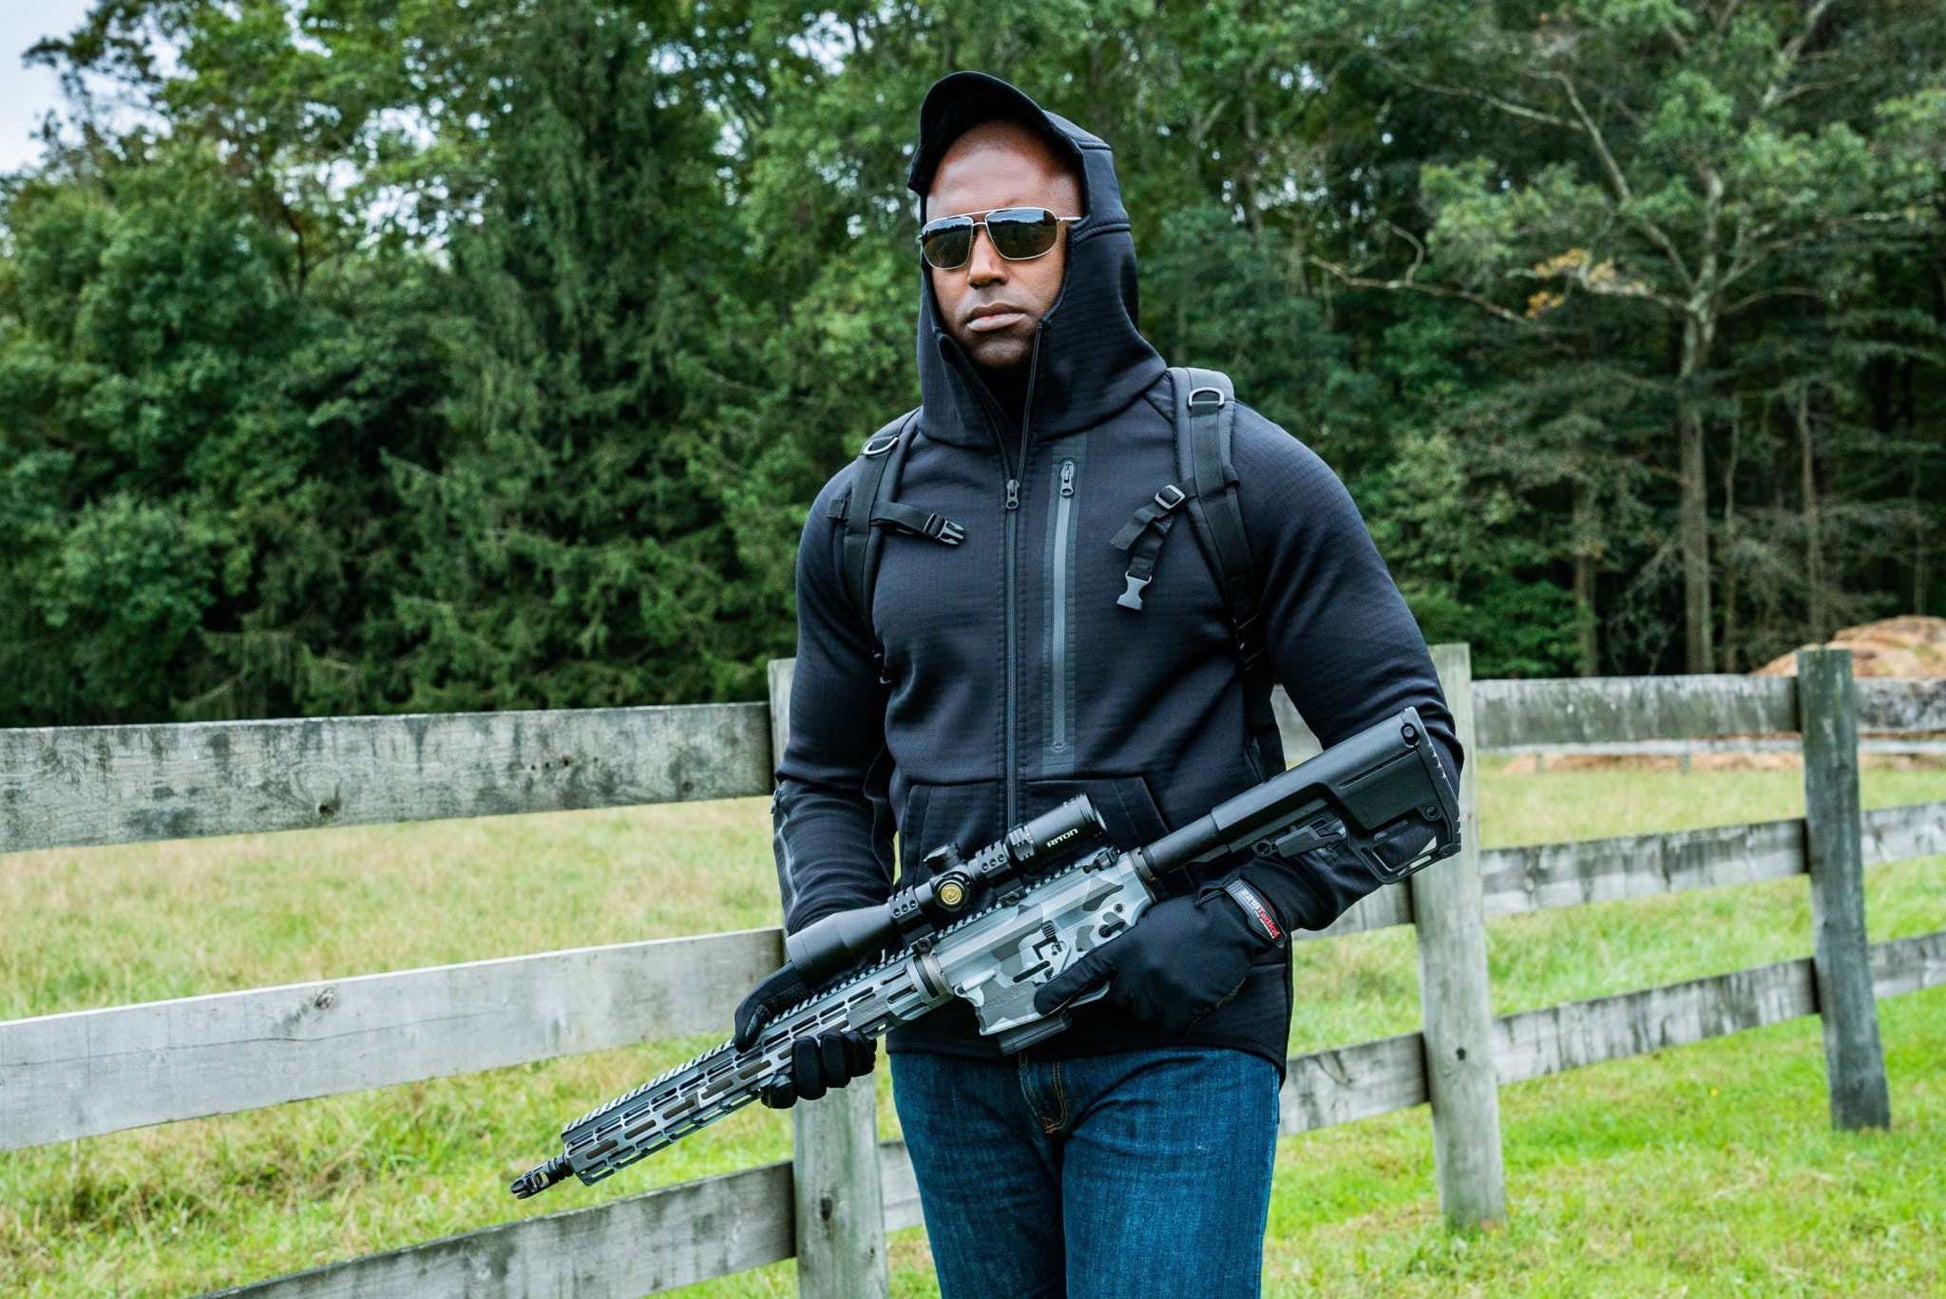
[(991, 680)]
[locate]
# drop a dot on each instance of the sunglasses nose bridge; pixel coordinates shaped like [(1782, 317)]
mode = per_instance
[(992, 260)]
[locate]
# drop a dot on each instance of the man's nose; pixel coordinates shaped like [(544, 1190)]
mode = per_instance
[(984, 264)]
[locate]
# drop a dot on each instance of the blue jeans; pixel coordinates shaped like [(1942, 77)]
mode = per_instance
[(1123, 1176)]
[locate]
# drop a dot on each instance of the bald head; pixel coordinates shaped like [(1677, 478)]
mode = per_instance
[(1008, 150), (991, 305)]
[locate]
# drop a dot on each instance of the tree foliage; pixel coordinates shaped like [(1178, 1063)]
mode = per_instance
[(366, 355)]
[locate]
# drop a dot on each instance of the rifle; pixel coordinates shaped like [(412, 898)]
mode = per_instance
[(992, 928)]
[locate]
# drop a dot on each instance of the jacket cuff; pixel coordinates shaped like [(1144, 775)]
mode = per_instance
[(1298, 904), (1258, 915)]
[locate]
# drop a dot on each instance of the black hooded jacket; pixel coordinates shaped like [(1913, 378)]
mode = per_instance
[(1018, 682)]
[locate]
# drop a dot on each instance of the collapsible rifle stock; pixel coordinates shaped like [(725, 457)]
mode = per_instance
[(993, 927)]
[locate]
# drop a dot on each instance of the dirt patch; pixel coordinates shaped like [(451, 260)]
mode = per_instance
[(1910, 645)]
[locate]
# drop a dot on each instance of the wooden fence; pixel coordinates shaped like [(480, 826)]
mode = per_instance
[(87, 1073)]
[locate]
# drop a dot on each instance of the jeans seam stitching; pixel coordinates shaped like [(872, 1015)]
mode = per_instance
[(1027, 1092)]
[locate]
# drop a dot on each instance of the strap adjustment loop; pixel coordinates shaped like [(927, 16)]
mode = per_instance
[(1142, 538), (913, 521)]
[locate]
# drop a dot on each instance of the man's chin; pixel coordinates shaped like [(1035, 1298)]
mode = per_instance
[(1000, 353)]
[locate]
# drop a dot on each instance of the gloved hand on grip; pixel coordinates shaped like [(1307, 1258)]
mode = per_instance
[(1185, 957), (820, 1063), (780, 990)]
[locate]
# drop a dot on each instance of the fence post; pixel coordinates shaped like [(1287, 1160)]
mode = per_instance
[(1854, 1061), (834, 1152), (1450, 920)]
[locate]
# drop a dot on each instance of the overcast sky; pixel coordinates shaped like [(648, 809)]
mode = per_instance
[(27, 93)]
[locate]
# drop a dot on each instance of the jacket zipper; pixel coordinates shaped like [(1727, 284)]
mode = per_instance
[(1013, 582), (1013, 528), (1010, 778), (1058, 668)]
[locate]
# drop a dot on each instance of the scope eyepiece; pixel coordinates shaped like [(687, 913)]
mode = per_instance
[(1068, 827)]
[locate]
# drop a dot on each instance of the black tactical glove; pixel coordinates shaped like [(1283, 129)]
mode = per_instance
[(1185, 957), (779, 991), (819, 1063), (1318, 887)]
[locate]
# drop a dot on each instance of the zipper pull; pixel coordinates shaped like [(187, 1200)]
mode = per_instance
[(1067, 478), (1013, 493)]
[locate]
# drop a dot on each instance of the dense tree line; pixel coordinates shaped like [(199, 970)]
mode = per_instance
[(373, 355)]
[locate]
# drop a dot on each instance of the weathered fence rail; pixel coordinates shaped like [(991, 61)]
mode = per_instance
[(71, 786), (1596, 710), (96, 1071), (93, 1072)]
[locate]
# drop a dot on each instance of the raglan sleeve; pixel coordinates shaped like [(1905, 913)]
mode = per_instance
[(831, 817), (1344, 645)]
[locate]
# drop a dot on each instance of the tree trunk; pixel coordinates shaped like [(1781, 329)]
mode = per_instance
[(1253, 209), (1588, 657), (1814, 591), (1729, 642), (1921, 552), (1693, 523)]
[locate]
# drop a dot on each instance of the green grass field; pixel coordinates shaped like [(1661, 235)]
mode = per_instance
[(1700, 1171)]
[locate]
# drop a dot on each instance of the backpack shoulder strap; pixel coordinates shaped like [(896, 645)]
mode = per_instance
[(1205, 416), (1205, 410), (868, 505), (877, 477)]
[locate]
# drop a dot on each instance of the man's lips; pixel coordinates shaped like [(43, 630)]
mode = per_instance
[(997, 316)]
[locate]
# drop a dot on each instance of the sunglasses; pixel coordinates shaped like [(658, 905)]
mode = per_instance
[(1019, 234)]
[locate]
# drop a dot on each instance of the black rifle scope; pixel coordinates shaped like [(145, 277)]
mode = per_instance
[(840, 941)]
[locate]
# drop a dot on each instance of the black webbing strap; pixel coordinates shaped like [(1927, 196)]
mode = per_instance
[(1142, 537), (1205, 413), (919, 523), (879, 462)]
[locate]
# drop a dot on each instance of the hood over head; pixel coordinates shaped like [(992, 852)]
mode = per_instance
[(1090, 359)]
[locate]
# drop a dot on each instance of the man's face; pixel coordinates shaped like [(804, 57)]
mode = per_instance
[(992, 306)]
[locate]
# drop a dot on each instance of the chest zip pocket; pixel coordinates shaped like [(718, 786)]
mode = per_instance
[(1059, 682), (1142, 539)]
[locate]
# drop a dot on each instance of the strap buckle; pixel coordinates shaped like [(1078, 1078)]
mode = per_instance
[(879, 443), (942, 529), (1132, 597), (1194, 393), (1170, 502)]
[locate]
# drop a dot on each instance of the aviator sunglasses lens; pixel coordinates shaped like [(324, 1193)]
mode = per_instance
[(1022, 232), (950, 245)]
